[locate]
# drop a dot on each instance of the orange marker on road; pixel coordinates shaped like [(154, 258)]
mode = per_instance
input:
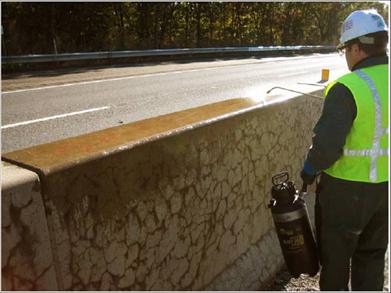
[(325, 74)]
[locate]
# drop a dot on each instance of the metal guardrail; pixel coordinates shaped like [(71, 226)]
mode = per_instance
[(145, 53)]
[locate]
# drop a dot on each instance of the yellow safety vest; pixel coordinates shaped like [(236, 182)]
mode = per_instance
[(365, 153)]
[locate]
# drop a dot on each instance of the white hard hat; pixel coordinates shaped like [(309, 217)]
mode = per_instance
[(360, 23)]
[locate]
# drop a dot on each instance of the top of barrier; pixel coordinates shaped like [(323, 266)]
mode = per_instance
[(59, 155)]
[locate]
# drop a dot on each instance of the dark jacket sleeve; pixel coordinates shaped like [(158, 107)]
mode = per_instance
[(332, 128)]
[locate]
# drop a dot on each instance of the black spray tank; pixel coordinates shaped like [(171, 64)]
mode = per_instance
[(293, 227)]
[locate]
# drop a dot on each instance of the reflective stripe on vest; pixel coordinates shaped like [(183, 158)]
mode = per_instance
[(375, 151)]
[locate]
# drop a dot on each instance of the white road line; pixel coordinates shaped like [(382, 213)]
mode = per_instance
[(54, 117), (105, 80), (155, 74)]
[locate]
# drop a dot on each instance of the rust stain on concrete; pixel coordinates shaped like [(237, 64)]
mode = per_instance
[(47, 158)]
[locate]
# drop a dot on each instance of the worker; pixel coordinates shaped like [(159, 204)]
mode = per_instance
[(349, 152)]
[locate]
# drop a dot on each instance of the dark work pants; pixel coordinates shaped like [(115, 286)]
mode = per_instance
[(351, 220)]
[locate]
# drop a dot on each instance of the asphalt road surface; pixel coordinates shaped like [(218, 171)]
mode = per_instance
[(47, 106)]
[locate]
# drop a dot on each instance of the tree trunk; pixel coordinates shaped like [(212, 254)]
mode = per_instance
[(198, 26), (52, 27)]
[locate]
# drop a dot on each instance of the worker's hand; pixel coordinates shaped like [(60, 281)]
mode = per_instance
[(307, 178), (308, 174)]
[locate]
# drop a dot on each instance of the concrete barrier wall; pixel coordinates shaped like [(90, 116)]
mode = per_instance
[(26, 254), (181, 210)]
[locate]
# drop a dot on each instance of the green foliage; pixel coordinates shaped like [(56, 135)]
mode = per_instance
[(44, 28)]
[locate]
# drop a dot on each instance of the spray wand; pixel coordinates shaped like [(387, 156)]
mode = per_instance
[(324, 78), (290, 90)]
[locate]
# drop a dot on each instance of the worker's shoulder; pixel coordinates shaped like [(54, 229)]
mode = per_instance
[(340, 97), (338, 89)]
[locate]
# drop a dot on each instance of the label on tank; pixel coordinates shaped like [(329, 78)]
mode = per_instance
[(291, 240)]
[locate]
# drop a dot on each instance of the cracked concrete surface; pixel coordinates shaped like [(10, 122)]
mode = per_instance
[(185, 212), (26, 257)]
